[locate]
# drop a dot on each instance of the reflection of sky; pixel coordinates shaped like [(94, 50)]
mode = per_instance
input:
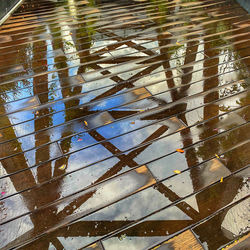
[(13, 229), (132, 208), (70, 49), (111, 191), (233, 102), (238, 213), (229, 67), (98, 45), (131, 243), (171, 213), (124, 71), (160, 147), (109, 103), (134, 138), (199, 65), (155, 76), (96, 84), (86, 176), (143, 104), (12, 96), (164, 167), (75, 144), (74, 242), (50, 59), (148, 44), (87, 156), (21, 104), (184, 187), (125, 50), (121, 127), (176, 62)]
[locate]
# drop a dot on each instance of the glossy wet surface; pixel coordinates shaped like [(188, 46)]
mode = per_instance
[(124, 124)]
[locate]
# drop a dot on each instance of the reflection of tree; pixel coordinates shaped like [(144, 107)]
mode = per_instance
[(15, 164), (213, 110), (80, 40), (83, 34), (212, 147), (171, 54)]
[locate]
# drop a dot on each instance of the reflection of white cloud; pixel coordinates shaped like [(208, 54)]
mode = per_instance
[(236, 220), (14, 229), (160, 148), (111, 191), (76, 242), (197, 75), (96, 84), (148, 44), (114, 189), (85, 177), (132, 139), (192, 201), (170, 213), (176, 62), (131, 208), (6, 184), (131, 243), (156, 76), (124, 50), (98, 45)]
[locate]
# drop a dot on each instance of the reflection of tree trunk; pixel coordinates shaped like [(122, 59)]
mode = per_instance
[(16, 163), (31, 199), (238, 47), (190, 58), (210, 71), (209, 110), (42, 155), (166, 65), (84, 46)]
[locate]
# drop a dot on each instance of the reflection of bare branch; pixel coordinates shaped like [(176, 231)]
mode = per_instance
[(58, 245), (129, 43), (124, 161), (172, 196)]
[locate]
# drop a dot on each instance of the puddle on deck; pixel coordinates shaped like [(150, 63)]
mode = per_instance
[(95, 98)]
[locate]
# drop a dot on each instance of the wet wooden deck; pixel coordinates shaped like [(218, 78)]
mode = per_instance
[(124, 125)]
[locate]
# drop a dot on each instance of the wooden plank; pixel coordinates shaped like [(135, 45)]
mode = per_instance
[(125, 94), (185, 240), (225, 227), (242, 243)]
